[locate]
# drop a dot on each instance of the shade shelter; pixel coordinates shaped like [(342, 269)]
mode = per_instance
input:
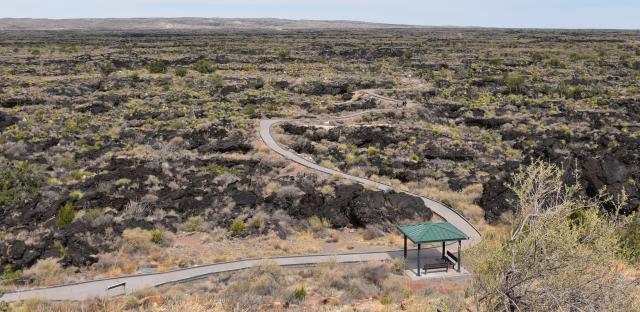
[(425, 233)]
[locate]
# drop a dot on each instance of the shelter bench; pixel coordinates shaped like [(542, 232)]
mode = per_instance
[(444, 264)]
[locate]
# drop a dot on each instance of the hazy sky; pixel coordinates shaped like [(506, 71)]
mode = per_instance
[(495, 13)]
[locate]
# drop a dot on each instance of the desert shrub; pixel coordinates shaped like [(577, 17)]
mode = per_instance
[(386, 300), (76, 195), (318, 224), (372, 150), (375, 272), (263, 283), (157, 67), (122, 182), (250, 111), (195, 224), (156, 237), (514, 83), (35, 51), (334, 237), (106, 68), (45, 271), (19, 182), (66, 215), (216, 83), (300, 293), (372, 232), (398, 265), (556, 63), (10, 275), (542, 264), (203, 66), (136, 209), (180, 71), (630, 239), (358, 288), (283, 54), (237, 227), (407, 55), (327, 189), (137, 240)]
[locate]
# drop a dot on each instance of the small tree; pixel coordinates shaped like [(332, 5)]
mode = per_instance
[(66, 214), (561, 254)]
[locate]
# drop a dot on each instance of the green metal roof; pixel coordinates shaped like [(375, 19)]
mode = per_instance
[(432, 232)]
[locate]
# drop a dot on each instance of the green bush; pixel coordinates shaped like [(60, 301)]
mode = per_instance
[(284, 54), (630, 240), (157, 67), (216, 81), (9, 276), (238, 226), (203, 66), (66, 214), (156, 237), (76, 195), (300, 293), (515, 83), (180, 71), (19, 182)]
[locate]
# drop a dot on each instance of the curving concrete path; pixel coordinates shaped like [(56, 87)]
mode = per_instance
[(128, 284), (437, 207)]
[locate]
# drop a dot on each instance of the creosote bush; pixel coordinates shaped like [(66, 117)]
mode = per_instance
[(237, 227), (19, 182), (180, 71), (203, 66), (66, 215), (157, 67)]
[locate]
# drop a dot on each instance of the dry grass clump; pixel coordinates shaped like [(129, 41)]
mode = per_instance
[(263, 284), (46, 272), (195, 224), (372, 232), (137, 241)]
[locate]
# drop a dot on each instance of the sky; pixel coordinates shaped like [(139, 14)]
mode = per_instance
[(619, 14)]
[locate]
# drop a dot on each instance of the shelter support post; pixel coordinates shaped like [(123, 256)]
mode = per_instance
[(459, 255), (405, 247), (418, 259)]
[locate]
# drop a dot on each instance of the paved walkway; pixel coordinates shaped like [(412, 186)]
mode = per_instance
[(437, 207), (99, 288)]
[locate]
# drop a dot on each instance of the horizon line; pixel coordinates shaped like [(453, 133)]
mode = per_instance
[(311, 20)]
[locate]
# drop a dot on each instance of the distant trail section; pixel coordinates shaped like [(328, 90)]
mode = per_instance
[(437, 207)]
